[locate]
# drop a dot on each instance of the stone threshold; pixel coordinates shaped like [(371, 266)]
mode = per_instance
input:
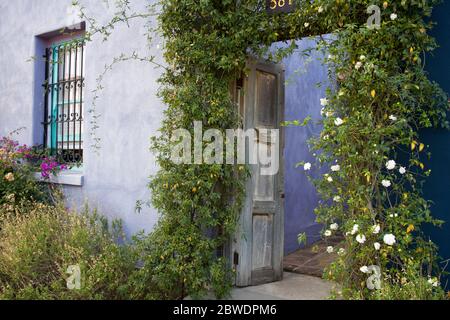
[(313, 259)]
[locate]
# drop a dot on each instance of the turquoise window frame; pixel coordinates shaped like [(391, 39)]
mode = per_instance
[(55, 98), (54, 135)]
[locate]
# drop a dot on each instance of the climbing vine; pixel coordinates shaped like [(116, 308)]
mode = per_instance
[(380, 99), (372, 117), (371, 144)]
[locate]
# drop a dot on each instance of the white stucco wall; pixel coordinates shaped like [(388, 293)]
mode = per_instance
[(131, 113)]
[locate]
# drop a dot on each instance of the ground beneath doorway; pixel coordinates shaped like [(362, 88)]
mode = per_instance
[(292, 287), (313, 259)]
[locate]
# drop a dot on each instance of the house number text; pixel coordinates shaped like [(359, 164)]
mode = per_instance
[(278, 6)]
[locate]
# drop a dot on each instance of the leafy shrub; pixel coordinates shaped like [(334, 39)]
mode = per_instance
[(38, 245), (18, 165), (413, 286), (40, 239), (162, 265), (412, 283), (16, 178)]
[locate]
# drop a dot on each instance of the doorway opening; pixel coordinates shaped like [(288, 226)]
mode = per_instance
[(279, 208), (304, 250)]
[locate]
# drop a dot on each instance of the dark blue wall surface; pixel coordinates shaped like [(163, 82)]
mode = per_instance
[(302, 99), (437, 187)]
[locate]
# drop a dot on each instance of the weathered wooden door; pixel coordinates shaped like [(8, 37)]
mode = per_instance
[(259, 240)]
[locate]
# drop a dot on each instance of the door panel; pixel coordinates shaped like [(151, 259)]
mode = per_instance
[(264, 188), (263, 241), (266, 99), (259, 239)]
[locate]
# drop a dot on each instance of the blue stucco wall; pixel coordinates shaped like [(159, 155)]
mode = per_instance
[(437, 187), (302, 99)]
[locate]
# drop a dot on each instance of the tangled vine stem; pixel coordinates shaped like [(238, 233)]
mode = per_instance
[(370, 136), (123, 14), (382, 100)]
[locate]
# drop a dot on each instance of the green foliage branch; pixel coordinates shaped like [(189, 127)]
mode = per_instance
[(383, 98)]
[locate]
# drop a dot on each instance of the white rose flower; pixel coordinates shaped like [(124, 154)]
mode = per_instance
[(330, 249), (326, 137), (307, 166), (329, 113), (362, 57), (9, 177), (402, 170), (360, 238), (327, 233), (377, 246), (320, 9), (434, 282), (386, 183), (389, 239), (358, 65), (355, 229), (334, 226), (364, 269), (341, 251), (335, 168), (337, 199), (392, 117), (376, 229), (330, 179), (324, 102), (338, 122), (393, 16), (390, 165), (306, 24)]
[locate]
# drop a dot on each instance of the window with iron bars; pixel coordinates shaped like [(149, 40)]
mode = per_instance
[(64, 97)]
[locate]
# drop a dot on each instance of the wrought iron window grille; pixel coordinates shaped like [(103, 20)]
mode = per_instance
[(64, 98)]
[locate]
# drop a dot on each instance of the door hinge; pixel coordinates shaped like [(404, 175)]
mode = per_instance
[(236, 258)]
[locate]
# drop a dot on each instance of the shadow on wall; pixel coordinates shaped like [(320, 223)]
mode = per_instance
[(302, 99)]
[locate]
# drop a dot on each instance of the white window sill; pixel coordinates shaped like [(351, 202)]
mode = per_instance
[(68, 178)]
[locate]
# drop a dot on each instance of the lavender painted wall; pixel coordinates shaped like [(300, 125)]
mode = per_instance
[(131, 111), (302, 99)]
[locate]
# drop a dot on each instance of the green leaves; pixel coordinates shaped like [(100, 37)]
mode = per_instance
[(302, 239), (297, 123), (384, 98)]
